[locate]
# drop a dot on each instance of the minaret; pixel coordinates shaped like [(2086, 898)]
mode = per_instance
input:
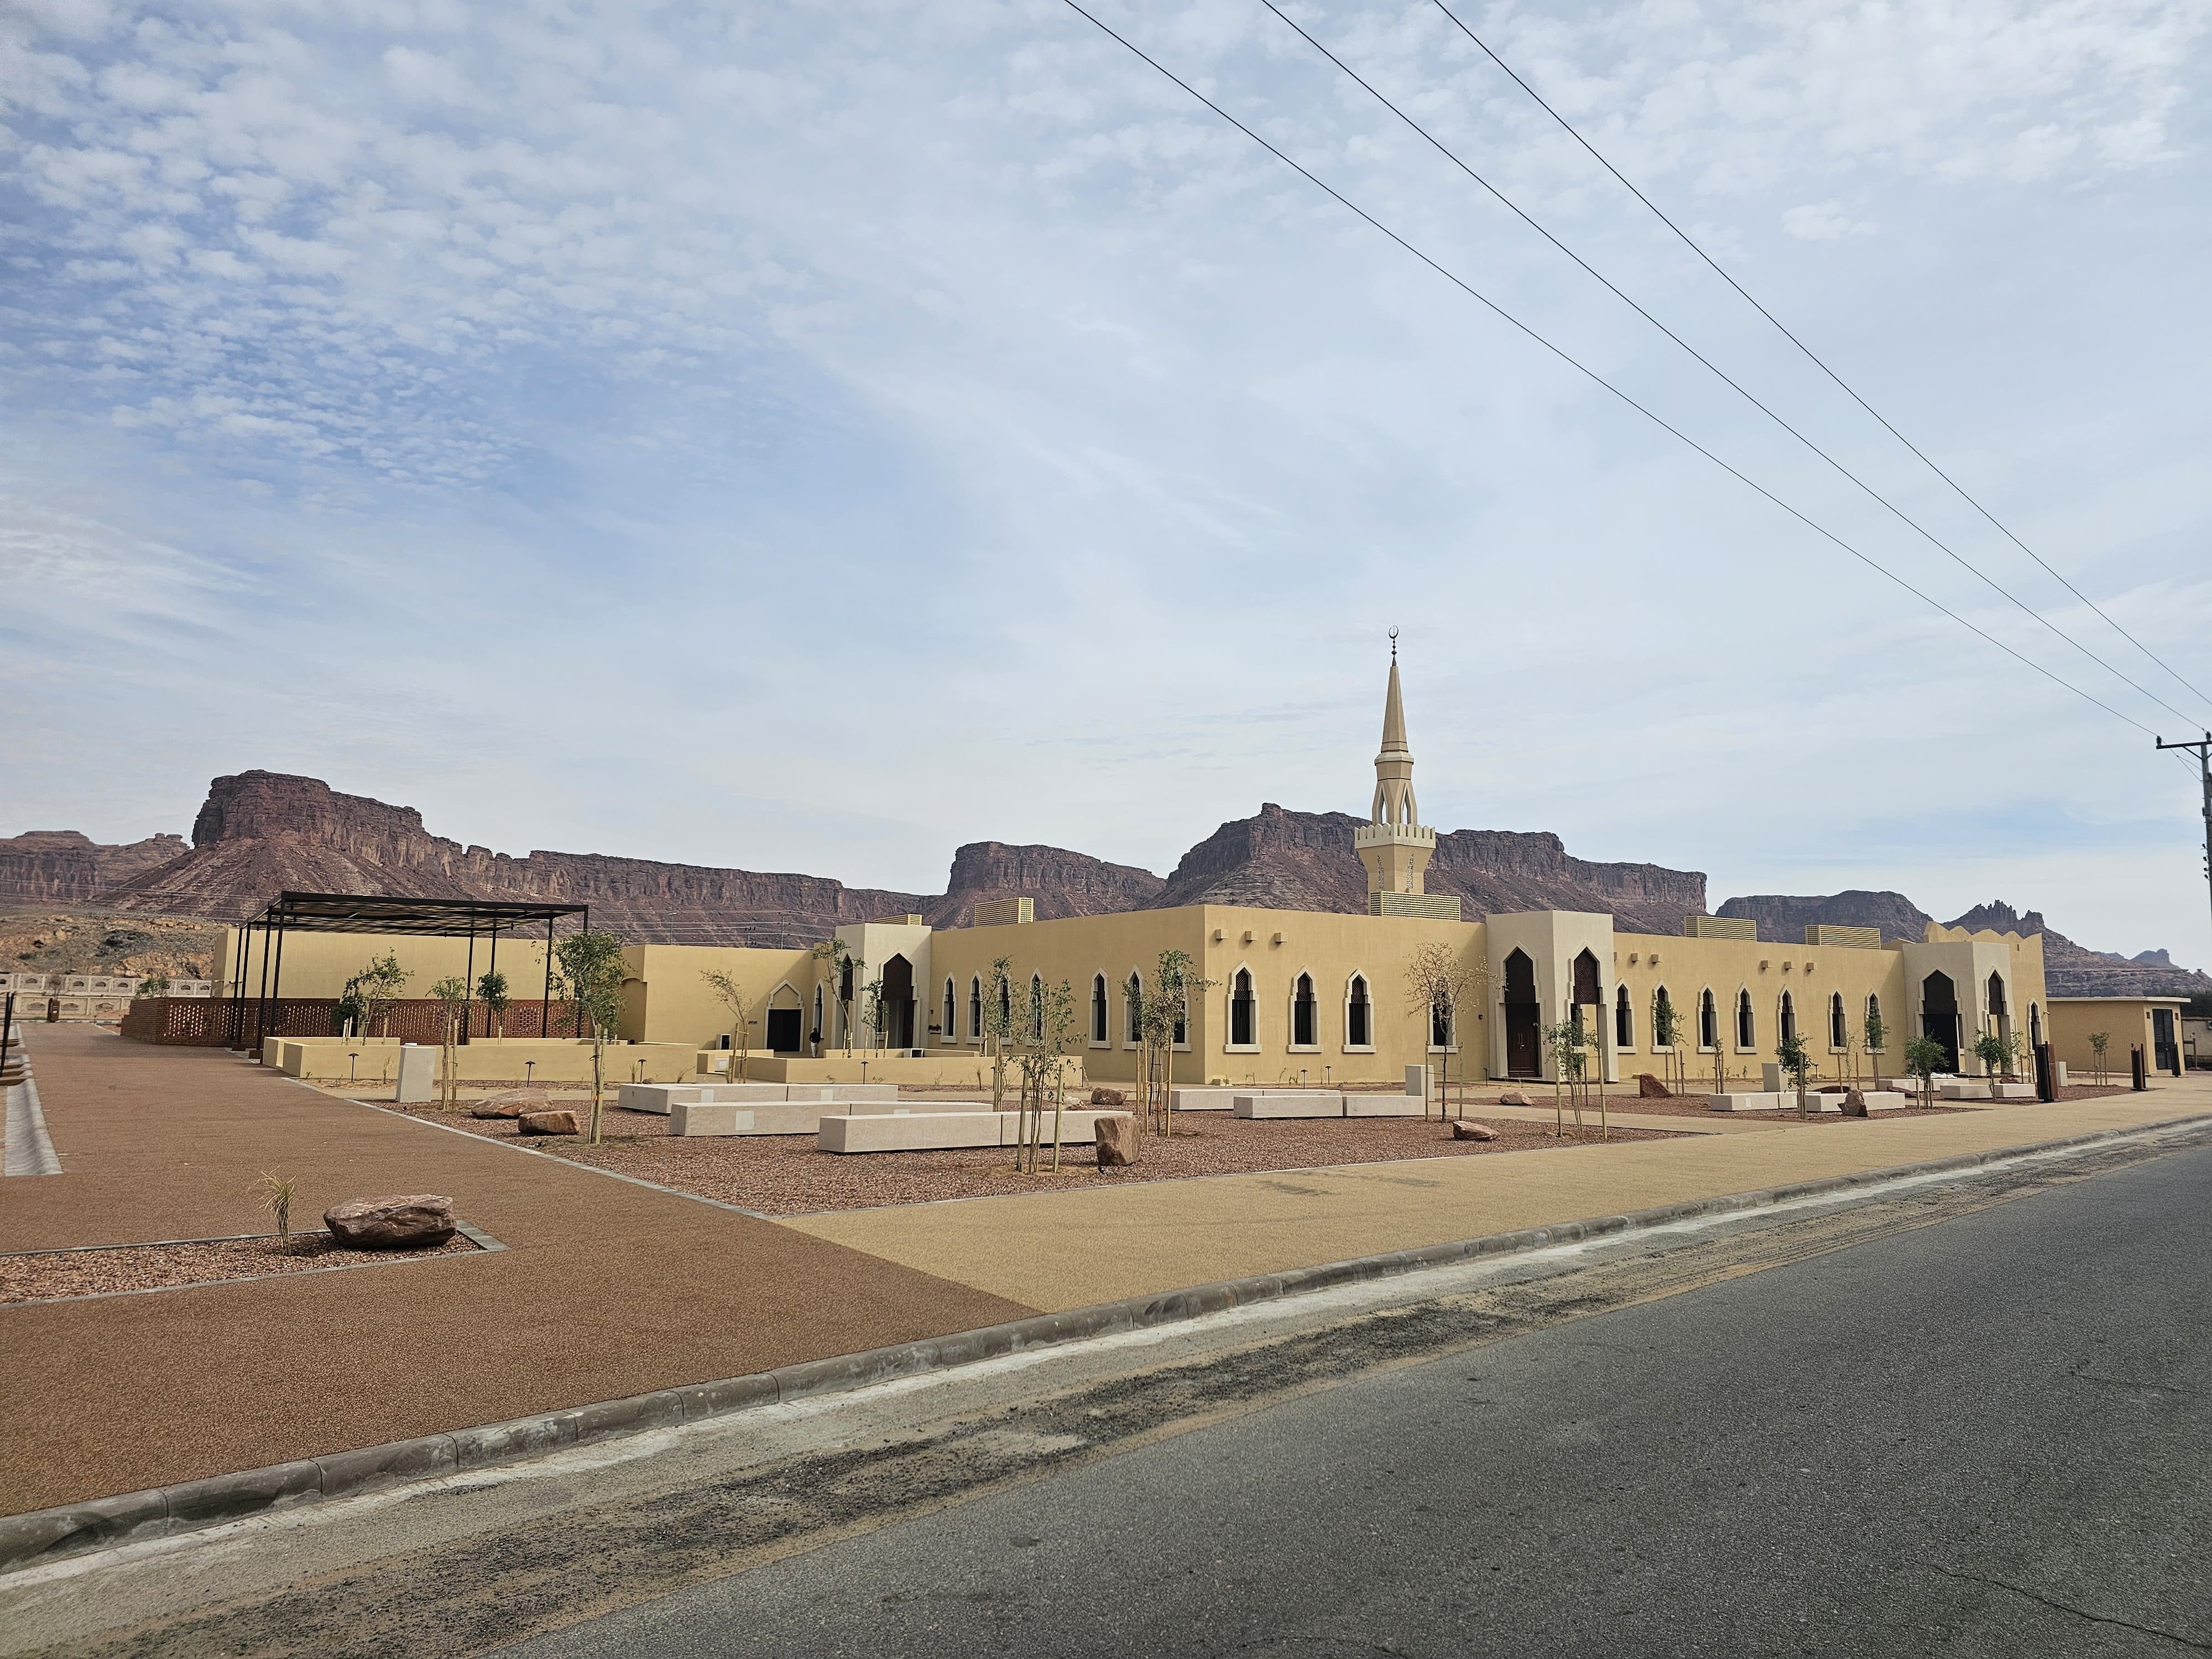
[(1393, 844)]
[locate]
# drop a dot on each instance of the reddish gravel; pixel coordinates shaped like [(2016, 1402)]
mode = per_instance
[(48, 1275), (787, 1175)]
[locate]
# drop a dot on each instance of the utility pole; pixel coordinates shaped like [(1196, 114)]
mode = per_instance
[(2203, 748)]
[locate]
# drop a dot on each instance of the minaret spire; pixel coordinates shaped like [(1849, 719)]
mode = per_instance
[(1393, 844)]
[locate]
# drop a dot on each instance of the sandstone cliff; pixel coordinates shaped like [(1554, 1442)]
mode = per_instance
[(1784, 919), (1305, 862), (62, 864), (2075, 970)]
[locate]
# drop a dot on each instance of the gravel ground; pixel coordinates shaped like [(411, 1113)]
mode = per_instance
[(787, 1175), (45, 1275)]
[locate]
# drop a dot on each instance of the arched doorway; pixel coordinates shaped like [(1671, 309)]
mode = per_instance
[(1523, 1017), (1939, 1016), (895, 1009), (784, 1014)]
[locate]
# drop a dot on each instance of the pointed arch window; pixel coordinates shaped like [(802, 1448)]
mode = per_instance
[(1098, 1010), (1839, 1030), (1244, 1028), (1005, 1005), (949, 1025), (1663, 1034), (1747, 1023), (1305, 1016), (1874, 1019), (1182, 1021), (1359, 1015), (815, 1037), (1789, 1018), (1440, 1025), (1036, 1008), (1624, 1020), (1133, 1000), (1708, 1022)]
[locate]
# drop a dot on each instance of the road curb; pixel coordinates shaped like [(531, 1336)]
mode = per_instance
[(49, 1535)]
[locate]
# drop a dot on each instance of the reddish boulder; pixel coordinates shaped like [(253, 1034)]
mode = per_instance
[(546, 1123), (1466, 1129), (513, 1103), (409, 1221), (1514, 1097), (1649, 1087), (1117, 1141), (1107, 1097)]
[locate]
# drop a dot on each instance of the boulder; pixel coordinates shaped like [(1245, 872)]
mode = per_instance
[(1853, 1104), (1107, 1097), (1117, 1139), (546, 1123), (410, 1221), (1649, 1087), (513, 1103), (1464, 1129), (1514, 1097)]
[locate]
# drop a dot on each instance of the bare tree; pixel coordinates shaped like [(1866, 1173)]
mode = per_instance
[(731, 996), (591, 974), (1437, 982), (452, 994)]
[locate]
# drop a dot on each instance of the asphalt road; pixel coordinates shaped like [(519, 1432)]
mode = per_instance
[(1987, 1436)]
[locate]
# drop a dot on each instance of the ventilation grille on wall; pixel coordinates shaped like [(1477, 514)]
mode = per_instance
[(1428, 907), (1719, 927)]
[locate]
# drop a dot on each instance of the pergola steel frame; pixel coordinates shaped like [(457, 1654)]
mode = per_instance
[(415, 918)]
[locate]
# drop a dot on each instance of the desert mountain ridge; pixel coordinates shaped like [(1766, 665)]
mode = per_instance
[(259, 833)]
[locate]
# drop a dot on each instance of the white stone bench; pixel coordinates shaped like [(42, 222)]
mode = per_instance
[(1204, 1100), (1970, 1088), (1289, 1103), (1379, 1104), (792, 1117), (917, 1132), (658, 1098)]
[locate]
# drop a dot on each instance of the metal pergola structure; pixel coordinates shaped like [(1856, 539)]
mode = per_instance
[(359, 913)]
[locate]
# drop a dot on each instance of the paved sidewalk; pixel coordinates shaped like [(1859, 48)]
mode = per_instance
[(1056, 1251), (606, 1289)]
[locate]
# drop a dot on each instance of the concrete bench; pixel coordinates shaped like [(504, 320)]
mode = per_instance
[(917, 1132), (1204, 1100), (660, 1097), (1379, 1104), (1970, 1089), (792, 1117), (1290, 1102)]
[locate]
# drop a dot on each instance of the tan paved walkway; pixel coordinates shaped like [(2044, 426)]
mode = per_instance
[(606, 1289), (1069, 1249)]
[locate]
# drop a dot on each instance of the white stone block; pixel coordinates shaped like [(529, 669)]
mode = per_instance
[(418, 1072), (1770, 1077), (1203, 1100), (1762, 1102), (1974, 1088), (658, 1097), (1384, 1105), (2061, 1065), (904, 1131), (1420, 1081), (1294, 1102), (708, 1117)]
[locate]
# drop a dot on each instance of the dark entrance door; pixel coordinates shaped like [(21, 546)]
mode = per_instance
[(1939, 1016), (783, 1034), (2165, 1053), (898, 1003), (1522, 1045)]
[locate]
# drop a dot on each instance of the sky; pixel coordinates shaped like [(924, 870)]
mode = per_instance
[(809, 438)]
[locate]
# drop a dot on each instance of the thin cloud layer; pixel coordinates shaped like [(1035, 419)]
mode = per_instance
[(940, 415)]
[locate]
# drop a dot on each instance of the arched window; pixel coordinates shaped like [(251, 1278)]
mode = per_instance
[(1037, 1008), (1304, 1022), (1997, 1009), (816, 1034), (1708, 1022), (1873, 1023), (1099, 1008), (1359, 1015), (1663, 1034), (1746, 1025), (948, 1026), (1133, 995), (1005, 1005), (2034, 1026), (1182, 1020), (1440, 1025), (1839, 1036), (1789, 1018), (1624, 1022), (976, 1009), (1242, 1030)]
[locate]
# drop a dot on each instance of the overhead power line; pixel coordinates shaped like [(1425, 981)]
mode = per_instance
[(1726, 379), (1815, 359), (1591, 374)]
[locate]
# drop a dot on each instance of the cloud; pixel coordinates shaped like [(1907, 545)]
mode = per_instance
[(1824, 222)]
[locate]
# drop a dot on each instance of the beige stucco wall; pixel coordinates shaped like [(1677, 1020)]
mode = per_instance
[(2125, 1020), (667, 1000), (319, 965)]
